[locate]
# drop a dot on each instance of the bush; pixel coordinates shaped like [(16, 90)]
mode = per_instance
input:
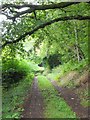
[(14, 70)]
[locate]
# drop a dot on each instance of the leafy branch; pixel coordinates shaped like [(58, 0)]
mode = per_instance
[(32, 8), (46, 24)]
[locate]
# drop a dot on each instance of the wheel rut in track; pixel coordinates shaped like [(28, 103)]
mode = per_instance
[(72, 100), (33, 106)]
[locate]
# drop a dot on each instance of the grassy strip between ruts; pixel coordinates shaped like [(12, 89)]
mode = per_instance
[(55, 106), (13, 99)]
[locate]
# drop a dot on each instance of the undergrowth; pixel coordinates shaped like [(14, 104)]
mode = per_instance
[(84, 94), (14, 70), (13, 99), (63, 69)]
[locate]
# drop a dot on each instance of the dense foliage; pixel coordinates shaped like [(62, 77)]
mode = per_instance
[(65, 42), (41, 37)]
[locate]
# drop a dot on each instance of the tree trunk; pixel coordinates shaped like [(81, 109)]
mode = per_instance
[(79, 52)]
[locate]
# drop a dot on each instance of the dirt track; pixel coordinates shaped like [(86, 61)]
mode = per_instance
[(33, 106), (72, 100)]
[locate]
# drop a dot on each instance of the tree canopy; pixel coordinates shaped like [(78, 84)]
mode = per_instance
[(29, 17), (39, 30)]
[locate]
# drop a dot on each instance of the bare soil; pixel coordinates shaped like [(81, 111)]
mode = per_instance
[(72, 100), (33, 106)]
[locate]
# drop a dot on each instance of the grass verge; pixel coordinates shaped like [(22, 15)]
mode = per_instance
[(13, 99), (55, 106), (84, 95)]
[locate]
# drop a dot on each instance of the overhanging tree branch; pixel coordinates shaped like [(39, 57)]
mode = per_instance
[(40, 7), (46, 24), (33, 8)]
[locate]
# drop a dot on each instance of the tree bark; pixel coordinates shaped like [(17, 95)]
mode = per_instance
[(79, 52)]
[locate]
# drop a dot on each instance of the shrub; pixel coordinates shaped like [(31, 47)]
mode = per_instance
[(14, 70)]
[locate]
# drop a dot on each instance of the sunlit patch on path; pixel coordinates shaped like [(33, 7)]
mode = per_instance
[(33, 107)]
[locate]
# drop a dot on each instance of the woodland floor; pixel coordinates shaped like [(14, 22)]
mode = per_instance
[(34, 105)]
